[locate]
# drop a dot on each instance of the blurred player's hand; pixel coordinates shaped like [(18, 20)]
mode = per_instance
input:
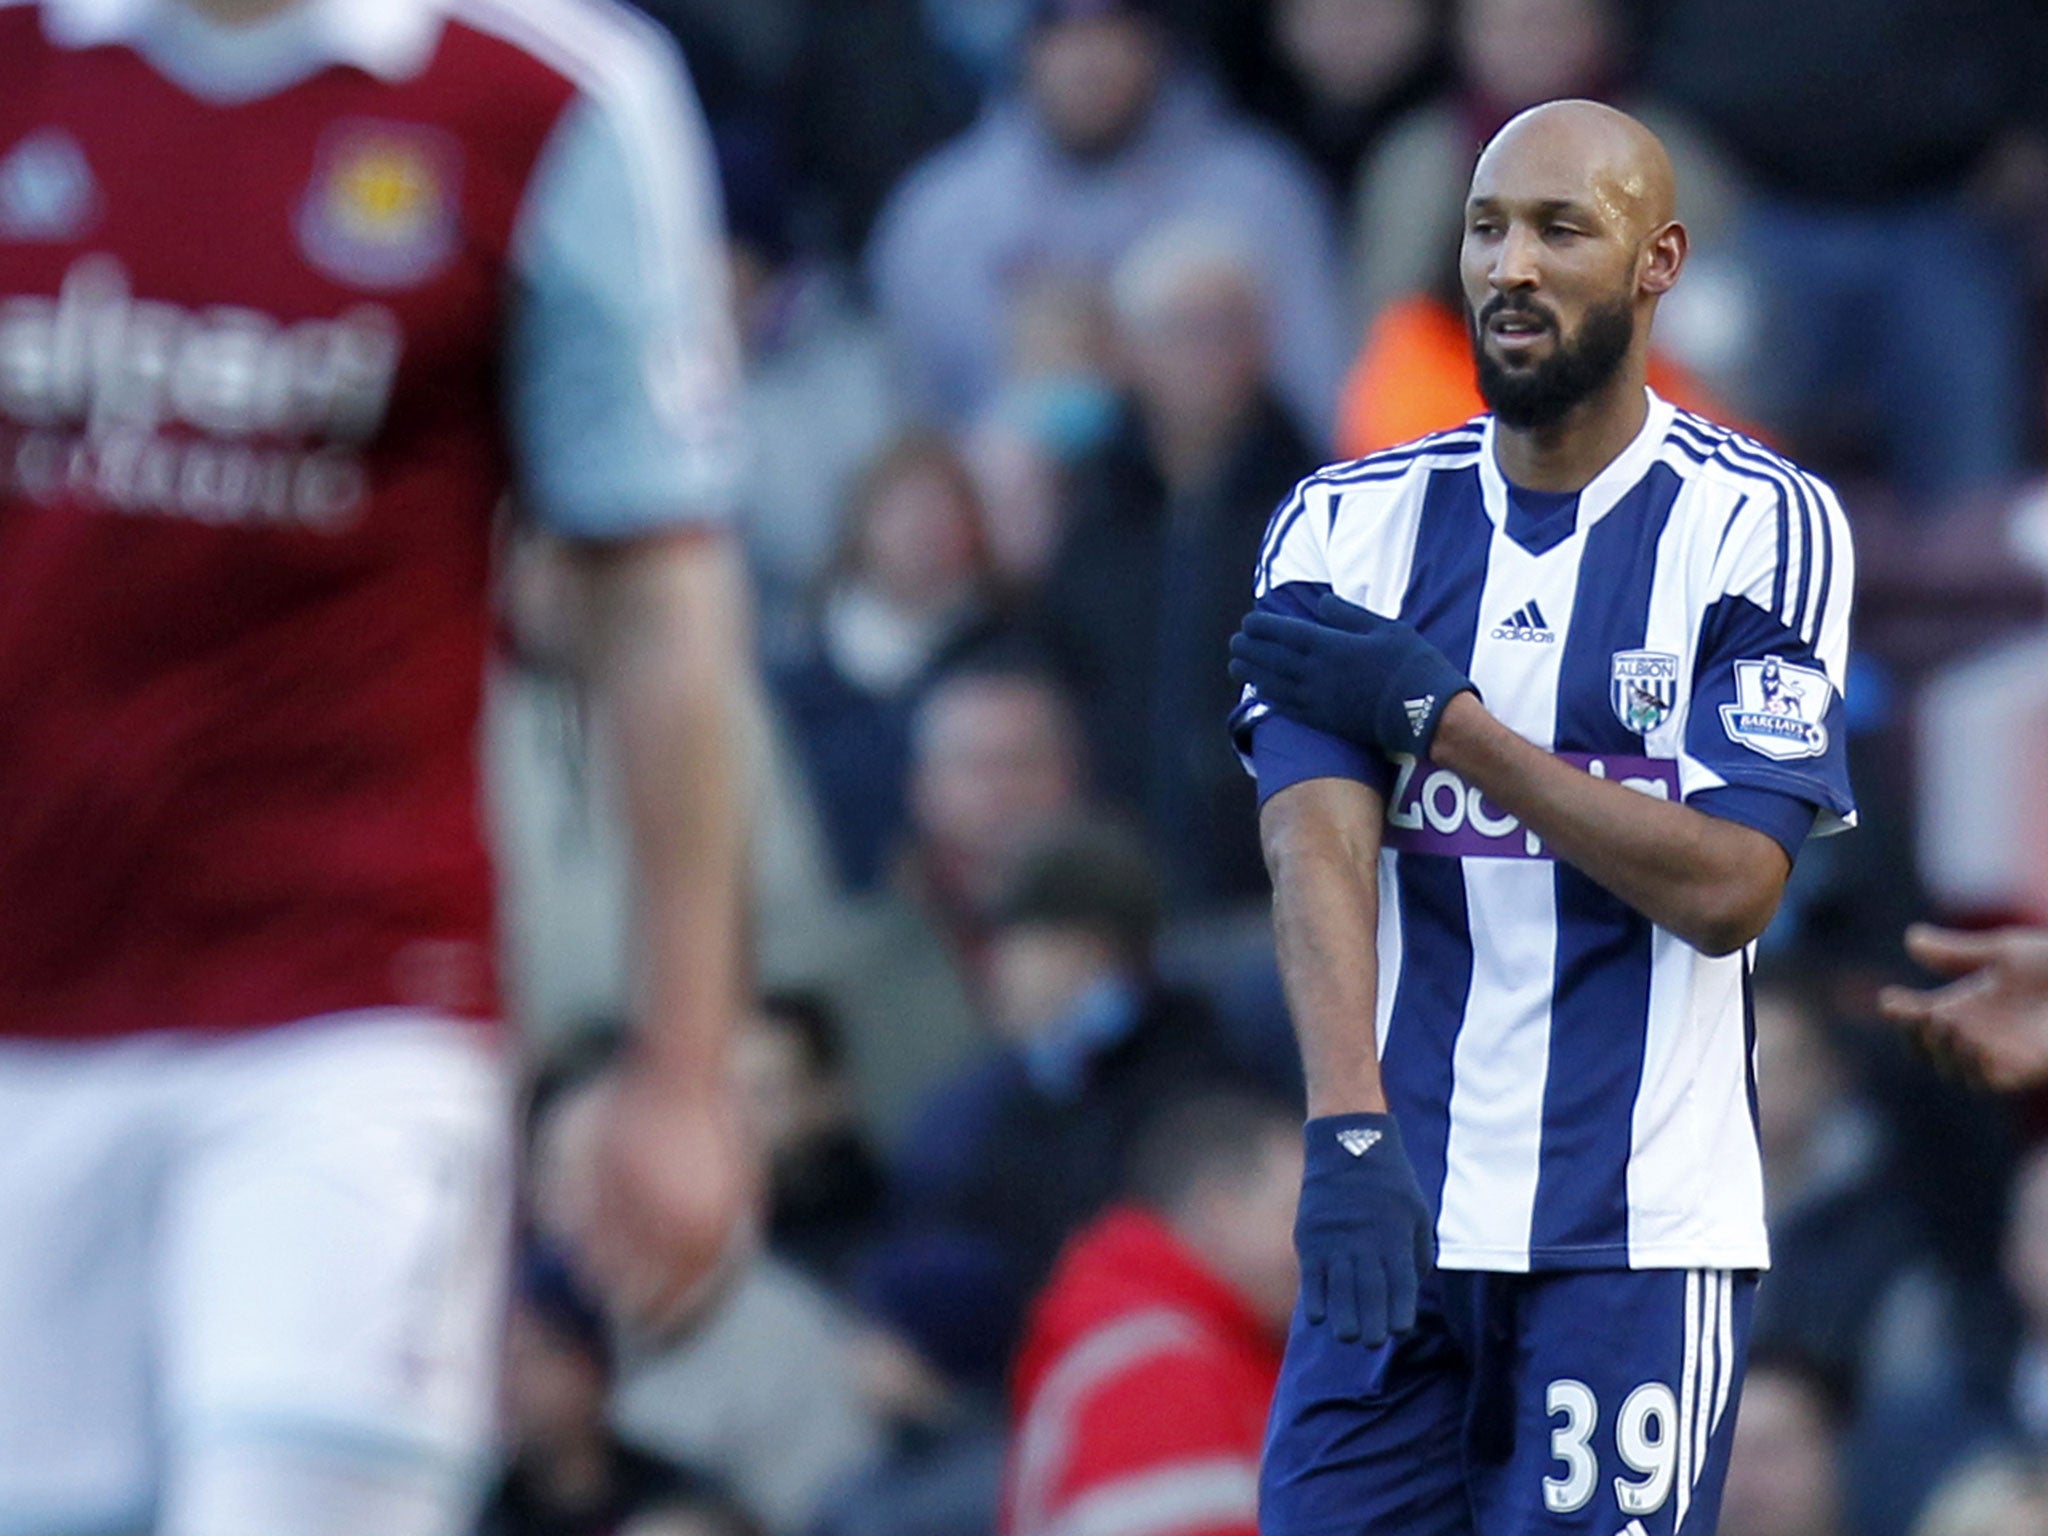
[(1993, 1020), (1362, 1230), (1349, 673), (658, 1195)]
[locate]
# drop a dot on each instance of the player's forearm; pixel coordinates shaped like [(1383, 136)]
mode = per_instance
[(672, 658), (1714, 883), (1322, 849)]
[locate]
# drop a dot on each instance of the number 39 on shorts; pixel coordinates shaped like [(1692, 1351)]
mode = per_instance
[(1645, 1438)]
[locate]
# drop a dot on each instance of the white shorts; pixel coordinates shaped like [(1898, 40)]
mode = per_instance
[(289, 1240)]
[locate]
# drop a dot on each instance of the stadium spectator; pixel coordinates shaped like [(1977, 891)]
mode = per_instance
[(1408, 205), (1162, 523), (820, 398), (825, 1183), (995, 757), (910, 593), (1334, 74), (1784, 1471), (879, 85), (560, 840), (1056, 403), (1846, 1250), (1991, 1388), (1108, 138), (1866, 130), (355, 275), (756, 1382), (697, 1514), (2001, 1494), (561, 851), (754, 47), (1148, 1364), (566, 1472), (950, 1486), (1023, 1145), (2024, 1401)]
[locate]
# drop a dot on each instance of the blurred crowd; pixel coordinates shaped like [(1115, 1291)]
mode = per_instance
[(1045, 304)]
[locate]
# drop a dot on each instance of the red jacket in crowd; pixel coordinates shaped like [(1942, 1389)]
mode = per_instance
[(1140, 1394)]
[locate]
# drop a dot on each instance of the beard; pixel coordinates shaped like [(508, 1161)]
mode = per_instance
[(1544, 394)]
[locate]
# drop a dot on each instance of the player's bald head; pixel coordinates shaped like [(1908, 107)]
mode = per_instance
[(1581, 151), (1569, 244)]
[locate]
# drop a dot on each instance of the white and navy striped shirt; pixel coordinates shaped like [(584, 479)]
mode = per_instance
[(1575, 1084)]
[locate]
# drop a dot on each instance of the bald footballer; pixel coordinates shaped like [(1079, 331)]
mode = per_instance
[(1542, 709)]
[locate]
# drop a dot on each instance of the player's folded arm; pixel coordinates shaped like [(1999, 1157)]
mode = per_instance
[(1280, 752), (1785, 819)]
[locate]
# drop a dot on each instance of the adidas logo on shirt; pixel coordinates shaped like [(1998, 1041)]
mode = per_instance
[(1525, 623)]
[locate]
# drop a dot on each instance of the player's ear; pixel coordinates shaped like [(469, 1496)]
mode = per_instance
[(1662, 258)]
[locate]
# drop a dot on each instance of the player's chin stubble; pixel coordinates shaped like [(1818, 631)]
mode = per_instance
[(1577, 369)]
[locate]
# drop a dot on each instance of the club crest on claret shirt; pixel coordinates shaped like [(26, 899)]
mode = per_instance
[(1644, 689), (382, 210)]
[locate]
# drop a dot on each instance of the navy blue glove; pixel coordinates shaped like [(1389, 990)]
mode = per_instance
[(1354, 675), (1362, 1231)]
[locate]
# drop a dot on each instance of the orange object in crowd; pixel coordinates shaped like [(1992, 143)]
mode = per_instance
[(1414, 376)]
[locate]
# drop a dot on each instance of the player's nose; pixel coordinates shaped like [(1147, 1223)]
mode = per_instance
[(1515, 263)]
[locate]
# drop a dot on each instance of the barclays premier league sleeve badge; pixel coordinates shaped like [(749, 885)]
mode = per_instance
[(1779, 709)]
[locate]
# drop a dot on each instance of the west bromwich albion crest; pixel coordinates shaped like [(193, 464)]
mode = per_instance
[(382, 209), (1645, 689), (1779, 709)]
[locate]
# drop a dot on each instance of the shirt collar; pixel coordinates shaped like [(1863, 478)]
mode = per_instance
[(1606, 489), (392, 39)]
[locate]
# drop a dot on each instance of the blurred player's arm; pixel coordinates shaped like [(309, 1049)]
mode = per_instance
[(1322, 844), (668, 632), (669, 646), (1715, 883), (622, 375)]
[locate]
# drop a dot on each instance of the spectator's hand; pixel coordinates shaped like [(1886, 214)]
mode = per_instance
[(1355, 675), (1362, 1230), (1993, 1021), (897, 1383), (660, 1201)]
